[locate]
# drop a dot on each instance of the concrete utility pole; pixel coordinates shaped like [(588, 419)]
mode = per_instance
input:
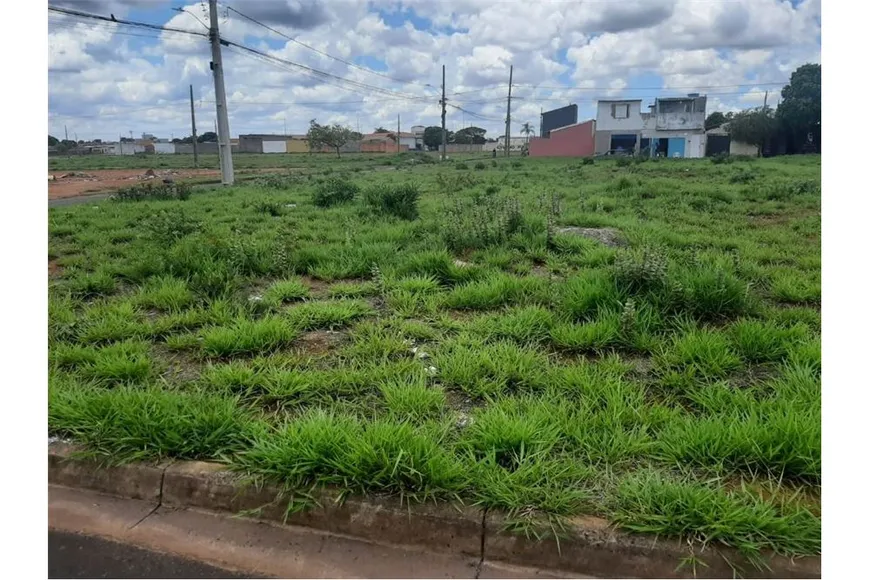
[(220, 94), (65, 134), (443, 112), (193, 129), (507, 124), (765, 100), (398, 133)]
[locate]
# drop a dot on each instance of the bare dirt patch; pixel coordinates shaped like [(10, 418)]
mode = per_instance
[(320, 342), (72, 183), (608, 236), (54, 269)]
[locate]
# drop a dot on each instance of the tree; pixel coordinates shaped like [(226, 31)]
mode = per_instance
[(53, 141), (714, 121), (432, 138), (207, 137), (332, 136), (753, 126), (470, 135), (800, 112), (381, 130), (528, 131)]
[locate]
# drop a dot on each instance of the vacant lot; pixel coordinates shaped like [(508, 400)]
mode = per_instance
[(633, 341)]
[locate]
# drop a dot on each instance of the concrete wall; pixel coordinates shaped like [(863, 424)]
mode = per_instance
[(680, 114), (469, 147), (164, 148), (297, 146), (574, 141), (740, 148), (605, 121), (248, 144), (382, 147), (270, 146), (202, 148)]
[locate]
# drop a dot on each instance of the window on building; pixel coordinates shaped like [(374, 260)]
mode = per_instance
[(619, 110)]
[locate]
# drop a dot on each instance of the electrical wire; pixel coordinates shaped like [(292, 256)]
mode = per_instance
[(121, 21), (327, 55)]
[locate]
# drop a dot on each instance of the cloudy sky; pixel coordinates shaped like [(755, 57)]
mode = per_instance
[(107, 80)]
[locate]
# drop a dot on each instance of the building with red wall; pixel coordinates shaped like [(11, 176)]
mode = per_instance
[(571, 141)]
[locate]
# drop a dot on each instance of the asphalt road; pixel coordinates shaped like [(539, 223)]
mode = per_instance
[(77, 556)]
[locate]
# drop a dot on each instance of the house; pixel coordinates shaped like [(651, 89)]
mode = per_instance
[(674, 127), (618, 126), (517, 143), (719, 141), (164, 147), (577, 140), (386, 142)]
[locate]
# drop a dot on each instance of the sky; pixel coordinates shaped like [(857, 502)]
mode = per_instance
[(107, 80)]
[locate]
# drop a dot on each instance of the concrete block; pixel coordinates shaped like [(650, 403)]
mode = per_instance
[(135, 480)]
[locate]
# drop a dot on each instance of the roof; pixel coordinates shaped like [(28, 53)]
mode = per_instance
[(572, 125), (620, 100), (681, 98)]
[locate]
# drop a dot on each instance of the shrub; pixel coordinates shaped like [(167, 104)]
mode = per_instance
[(166, 227), (480, 166), (461, 165), (150, 191), (641, 271), (721, 158), (490, 221), (624, 161), (333, 191), (398, 200), (715, 293), (588, 161)]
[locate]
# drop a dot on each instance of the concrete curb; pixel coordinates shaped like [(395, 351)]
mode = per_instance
[(589, 547)]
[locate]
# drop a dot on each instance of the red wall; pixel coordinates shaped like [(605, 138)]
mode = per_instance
[(381, 147), (576, 141)]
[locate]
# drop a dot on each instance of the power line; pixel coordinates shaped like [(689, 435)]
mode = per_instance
[(120, 21), (327, 55), (322, 75), (573, 89)]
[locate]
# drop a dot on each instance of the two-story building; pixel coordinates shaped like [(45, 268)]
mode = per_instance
[(673, 127)]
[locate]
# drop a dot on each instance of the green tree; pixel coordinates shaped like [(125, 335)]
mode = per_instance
[(432, 138), (469, 135), (754, 126), (53, 141), (381, 130), (800, 112), (714, 121), (207, 137), (331, 136), (528, 131)]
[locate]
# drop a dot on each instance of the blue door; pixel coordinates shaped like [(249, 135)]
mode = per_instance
[(676, 147)]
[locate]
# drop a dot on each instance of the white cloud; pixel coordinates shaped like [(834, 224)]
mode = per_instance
[(732, 47)]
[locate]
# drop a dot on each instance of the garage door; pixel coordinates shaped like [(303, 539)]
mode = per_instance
[(275, 146)]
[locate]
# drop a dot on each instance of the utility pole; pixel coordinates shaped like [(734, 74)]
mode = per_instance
[(443, 112), (398, 133), (507, 124), (220, 94), (65, 134), (765, 100), (193, 129)]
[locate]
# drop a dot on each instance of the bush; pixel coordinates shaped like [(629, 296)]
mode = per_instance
[(150, 191), (480, 165), (720, 158), (333, 191), (624, 161), (165, 227), (587, 161), (398, 200), (461, 165), (489, 222)]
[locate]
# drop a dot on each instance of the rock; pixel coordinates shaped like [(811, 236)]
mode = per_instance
[(168, 180), (150, 173), (608, 236)]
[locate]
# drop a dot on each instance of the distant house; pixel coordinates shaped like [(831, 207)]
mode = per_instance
[(517, 143), (719, 141), (577, 140), (386, 142)]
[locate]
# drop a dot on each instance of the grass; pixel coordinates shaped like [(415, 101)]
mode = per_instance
[(428, 332)]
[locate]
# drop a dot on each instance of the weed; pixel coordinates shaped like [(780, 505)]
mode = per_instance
[(334, 191), (248, 336), (396, 200)]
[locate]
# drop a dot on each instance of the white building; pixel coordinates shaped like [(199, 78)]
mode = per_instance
[(517, 143), (673, 127), (164, 147)]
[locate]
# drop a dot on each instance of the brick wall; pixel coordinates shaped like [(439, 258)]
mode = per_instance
[(573, 141)]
